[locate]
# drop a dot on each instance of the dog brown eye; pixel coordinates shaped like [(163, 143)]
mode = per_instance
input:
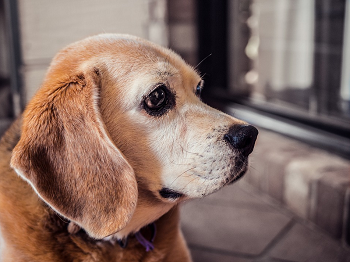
[(156, 99), (160, 101)]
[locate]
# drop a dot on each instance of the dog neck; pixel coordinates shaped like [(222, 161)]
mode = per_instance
[(145, 241), (147, 244)]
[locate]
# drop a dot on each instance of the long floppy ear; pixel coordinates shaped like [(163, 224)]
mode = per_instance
[(68, 158)]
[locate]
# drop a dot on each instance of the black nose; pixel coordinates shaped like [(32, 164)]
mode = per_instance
[(242, 138)]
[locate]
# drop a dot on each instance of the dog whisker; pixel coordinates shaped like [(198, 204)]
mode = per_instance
[(195, 178), (182, 164), (182, 174), (206, 188), (197, 154), (179, 164), (251, 167), (205, 58)]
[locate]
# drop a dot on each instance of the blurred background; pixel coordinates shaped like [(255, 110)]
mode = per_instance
[(282, 65)]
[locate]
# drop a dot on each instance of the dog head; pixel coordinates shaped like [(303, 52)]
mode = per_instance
[(118, 134)]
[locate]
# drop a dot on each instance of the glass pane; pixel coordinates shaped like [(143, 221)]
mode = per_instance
[(299, 52), (285, 62)]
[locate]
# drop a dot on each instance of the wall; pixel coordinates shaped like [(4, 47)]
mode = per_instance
[(48, 26), (182, 22)]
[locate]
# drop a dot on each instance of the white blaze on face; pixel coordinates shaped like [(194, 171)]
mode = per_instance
[(196, 159)]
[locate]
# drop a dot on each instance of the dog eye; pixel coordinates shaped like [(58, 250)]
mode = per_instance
[(156, 99), (198, 90), (159, 101)]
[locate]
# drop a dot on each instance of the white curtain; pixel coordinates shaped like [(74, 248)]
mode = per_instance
[(286, 34)]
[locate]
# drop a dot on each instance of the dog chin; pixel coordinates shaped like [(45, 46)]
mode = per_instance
[(232, 175), (174, 195)]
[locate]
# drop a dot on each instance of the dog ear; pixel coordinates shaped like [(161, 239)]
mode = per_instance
[(68, 158)]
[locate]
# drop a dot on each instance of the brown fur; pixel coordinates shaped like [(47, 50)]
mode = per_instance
[(34, 232), (87, 156)]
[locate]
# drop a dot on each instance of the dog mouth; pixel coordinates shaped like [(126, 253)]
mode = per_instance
[(208, 182), (170, 194), (173, 195)]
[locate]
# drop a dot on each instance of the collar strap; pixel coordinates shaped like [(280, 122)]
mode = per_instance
[(123, 243), (148, 244)]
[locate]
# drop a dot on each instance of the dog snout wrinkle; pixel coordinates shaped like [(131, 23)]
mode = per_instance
[(242, 137)]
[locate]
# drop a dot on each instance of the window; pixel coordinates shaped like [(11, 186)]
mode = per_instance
[(5, 90), (288, 60), (9, 64)]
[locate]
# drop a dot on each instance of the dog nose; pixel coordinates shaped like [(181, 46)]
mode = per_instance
[(242, 137)]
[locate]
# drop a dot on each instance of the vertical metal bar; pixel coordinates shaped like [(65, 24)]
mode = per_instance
[(329, 26), (345, 75), (212, 36), (12, 28)]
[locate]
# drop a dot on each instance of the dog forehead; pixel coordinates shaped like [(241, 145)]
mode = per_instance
[(133, 66), (180, 78), (126, 54), (158, 62), (142, 74)]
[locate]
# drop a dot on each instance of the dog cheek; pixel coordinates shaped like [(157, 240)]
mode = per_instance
[(183, 130)]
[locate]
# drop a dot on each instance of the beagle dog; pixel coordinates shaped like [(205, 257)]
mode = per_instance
[(113, 141)]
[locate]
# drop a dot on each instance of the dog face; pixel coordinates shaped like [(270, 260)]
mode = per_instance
[(118, 134)]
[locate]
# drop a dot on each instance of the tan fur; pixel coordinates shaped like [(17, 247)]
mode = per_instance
[(87, 155)]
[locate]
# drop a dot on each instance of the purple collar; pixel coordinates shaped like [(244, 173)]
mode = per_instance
[(148, 244)]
